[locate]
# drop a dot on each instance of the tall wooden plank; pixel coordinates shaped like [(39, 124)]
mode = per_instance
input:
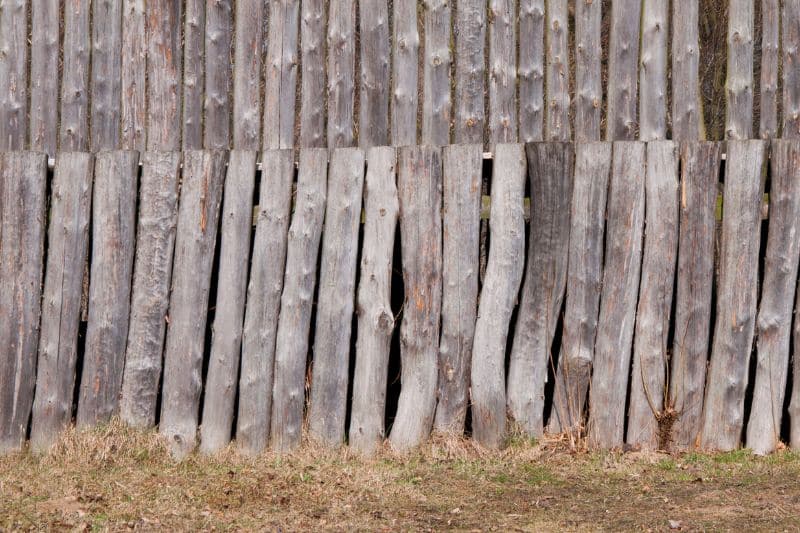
[(152, 279), (790, 45), (163, 74), (281, 66), (247, 57), (195, 241), (23, 178), (67, 248), (551, 171), (498, 295), (584, 278), (373, 122), (687, 108), (374, 305), (623, 257), (775, 307), (588, 71), (217, 104), (650, 346), (557, 127), (700, 164), (419, 188), (264, 300), (133, 108), (531, 70), (74, 133), (470, 71), (623, 70), (502, 71), (405, 73), (226, 342), (436, 105), (336, 300), (341, 72), (463, 166), (14, 75), (194, 81), (106, 83), (294, 323), (45, 20), (113, 240), (653, 70), (770, 50), (739, 80), (723, 411)]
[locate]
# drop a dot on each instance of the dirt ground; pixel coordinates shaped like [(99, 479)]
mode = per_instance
[(116, 479)]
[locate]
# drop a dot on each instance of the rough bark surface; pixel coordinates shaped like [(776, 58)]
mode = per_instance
[(163, 74), (194, 81), (436, 106), (470, 71), (74, 118), (623, 70), (247, 55), (405, 73), (14, 75), (502, 71), (106, 88), (312, 108), (557, 125), (739, 81), (530, 70), (588, 72), (375, 42), (45, 20), (133, 108), (653, 64)]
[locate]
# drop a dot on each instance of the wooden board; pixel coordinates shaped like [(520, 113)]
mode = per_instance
[(790, 45), (45, 46), (247, 57), (14, 75), (557, 127), (341, 72), (106, 80), (739, 80), (653, 71), (470, 71), (436, 106), (164, 77), (530, 69), (687, 110), (74, 119), (623, 70), (217, 105), (405, 73), (373, 122), (133, 107), (312, 107), (502, 72), (770, 57), (194, 81), (588, 71)]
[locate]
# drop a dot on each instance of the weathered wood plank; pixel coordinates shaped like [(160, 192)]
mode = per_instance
[(226, 342), (650, 346), (264, 300), (294, 323), (502, 71), (375, 316), (531, 70), (23, 178), (152, 278), (217, 104), (419, 188), (739, 80), (113, 241), (14, 74), (337, 287), (770, 50), (198, 214), (790, 45), (373, 122), (247, 74), (74, 133), (106, 82), (68, 243), (551, 171), (623, 257), (312, 107), (653, 65), (133, 108), (341, 72), (470, 71), (687, 108), (436, 105), (194, 81), (723, 411), (623, 70), (588, 73), (45, 20), (557, 127), (163, 74), (405, 73), (584, 278)]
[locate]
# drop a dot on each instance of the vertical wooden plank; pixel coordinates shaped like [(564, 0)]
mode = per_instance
[(375, 70), (194, 81), (419, 188), (405, 73), (588, 72), (653, 70), (502, 71), (74, 134), (45, 20), (698, 202), (294, 323), (650, 347), (498, 295), (217, 104), (687, 109), (106, 80), (723, 411), (14, 75), (312, 107), (23, 178), (163, 74), (247, 74), (739, 81), (623, 257), (68, 243), (790, 44), (152, 277), (375, 316), (113, 239), (623, 70), (584, 278), (337, 285), (558, 72), (470, 71), (436, 108), (226, 342), (775, 308), (531, 70), (341, 72), (195, 241), (770, 46), (133, 108), (264, 300), (281, 66)]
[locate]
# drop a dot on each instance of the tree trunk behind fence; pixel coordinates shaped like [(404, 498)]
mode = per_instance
[(558, 72), (436, 73), (653, 70), (341, 72), (106, 83), (312, 107), (405, 73), (14, 75), (623, 70), (790, 44), (470, 70), (74, 117), (739, 81), (502, 71), (217, 105), (133, 107), (770, 52), (164, 76), (194, 80), (530, 69), (588, 73), (374, 90), (248, 50), (687, 107)]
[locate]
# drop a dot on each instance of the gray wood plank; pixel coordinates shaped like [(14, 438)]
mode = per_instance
[(502, 71), (790, 46), (313, 95), (623, 70), (163, 74), (373, 122), (106, 78), (281, 66), (405, 73), (194, 81), (653, 70), (770, 54), (74, 132), (14, 75), (217, 104), (341, 72), (557, 127), (687, 108), (739, 80), (436, 105), (470, 71), (531, 70), (247, 57), (133, 107), (588, 71)]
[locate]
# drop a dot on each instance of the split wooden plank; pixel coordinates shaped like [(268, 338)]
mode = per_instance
[(770, 53), (312, 107), (687, 108), (653, 70), (375, 315), (280, 85), (14, 75), (264, 300), (68, 244), (294, 323), (74, 133), (588, 72), (700, 164), (23, 178), (194, 81), (498, 295), (623, 70), (341, 73), (106, 78), (723, 411), (775, 307), (226, 342), (790, 45), (247, 74), (551, 172), (470, 71), (217, 103), (133, 108), (584, 282), (198, 215), (650, 347), (163, 74), (739, 80), (531, 70), (152, 278), (557, 127), (623, 258), (502, 71), (375, 56), (463, 166), (436, 105), (405, 73), (337, 287), (419, 188), (113, 241)]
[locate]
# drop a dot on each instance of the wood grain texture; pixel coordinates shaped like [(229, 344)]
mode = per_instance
[(14, 74), (502, 71), (557, 127), (45, 45), (247, 57), (164, 77), (470, 71), (436, 105), (770, 54), (133, 107), (790, 46), (653, 65), (313, 96), (373, 122), (194, 72), (588, 71), (405, 73), (76, 51), (623, 70), (281, 66), (739, 80), (530, 70), (106, 79), (217, 105), (341, 72), (687, 109)]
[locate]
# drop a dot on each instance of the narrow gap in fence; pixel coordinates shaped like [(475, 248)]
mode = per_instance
[(395, 366), (605, 32), (353, 333), (758, 53)]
